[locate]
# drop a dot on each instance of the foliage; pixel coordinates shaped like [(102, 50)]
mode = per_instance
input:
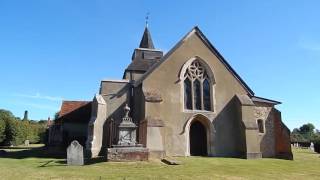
[(2, 130), (10, 130), (306, 133), (307, 128), (316, 138), (16, 131), (297, 137)]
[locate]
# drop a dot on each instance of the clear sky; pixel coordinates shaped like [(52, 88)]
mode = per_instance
[(60, 49)]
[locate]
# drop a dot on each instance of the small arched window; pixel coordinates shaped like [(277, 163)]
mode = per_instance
[(197, 87), (260, 125)]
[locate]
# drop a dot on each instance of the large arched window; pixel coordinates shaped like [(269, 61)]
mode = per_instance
[(197, 87)]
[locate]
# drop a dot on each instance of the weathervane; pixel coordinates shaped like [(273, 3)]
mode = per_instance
[(147, 19)]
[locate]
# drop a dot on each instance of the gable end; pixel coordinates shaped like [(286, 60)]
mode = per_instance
[(198, 32)]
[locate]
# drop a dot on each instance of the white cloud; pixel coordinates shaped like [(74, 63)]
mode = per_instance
[(39, 96)]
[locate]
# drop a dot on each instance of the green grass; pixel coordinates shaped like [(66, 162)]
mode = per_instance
[(32, 164)]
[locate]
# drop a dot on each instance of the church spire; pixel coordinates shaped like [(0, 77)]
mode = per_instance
[(146, 41)]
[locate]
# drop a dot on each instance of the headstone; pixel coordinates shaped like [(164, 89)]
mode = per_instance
[(312, 146), (26, 143), (75, 154)]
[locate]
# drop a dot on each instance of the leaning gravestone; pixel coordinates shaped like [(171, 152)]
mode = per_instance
[(75, 154)]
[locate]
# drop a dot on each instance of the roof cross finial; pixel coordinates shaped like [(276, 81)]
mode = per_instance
[(147, 19)]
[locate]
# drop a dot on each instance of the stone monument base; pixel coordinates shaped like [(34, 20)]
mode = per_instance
[(127, 153)]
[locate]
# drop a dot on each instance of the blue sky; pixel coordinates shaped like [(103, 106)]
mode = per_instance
[(60, 49)]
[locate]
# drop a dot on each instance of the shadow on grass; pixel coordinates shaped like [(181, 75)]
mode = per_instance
[(96, 160), (39, 152), (45, 153), (53, 163), (88, 161)]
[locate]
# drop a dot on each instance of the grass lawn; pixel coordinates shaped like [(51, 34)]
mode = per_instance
[(21, 164)]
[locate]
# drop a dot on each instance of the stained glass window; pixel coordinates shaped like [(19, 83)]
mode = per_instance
[(197, 91), (206, 95), (197, 94), (187, 94)]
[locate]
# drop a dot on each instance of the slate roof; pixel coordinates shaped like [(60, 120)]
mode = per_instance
[(264, 100), (141, 64), (146, 41), (75, 111)]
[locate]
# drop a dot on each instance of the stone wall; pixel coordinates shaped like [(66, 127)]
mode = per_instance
[(267, 139), (282, 137), (165, 79), (75, 131), (116, 95)]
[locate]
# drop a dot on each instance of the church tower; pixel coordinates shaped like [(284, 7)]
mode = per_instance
[(143, 58)]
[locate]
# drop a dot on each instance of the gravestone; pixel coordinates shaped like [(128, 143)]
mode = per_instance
[(26, 143), (75, 154), (312, 146)]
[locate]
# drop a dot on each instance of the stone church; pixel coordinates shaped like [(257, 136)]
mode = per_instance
[(186, 102)]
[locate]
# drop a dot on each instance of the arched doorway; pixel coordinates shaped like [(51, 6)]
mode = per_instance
[(198, 139)]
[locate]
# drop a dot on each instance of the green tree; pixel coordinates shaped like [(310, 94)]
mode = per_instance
[(9, 130), (14, 131), (2, 130), (307, 131), (316, 137), (297, 137), (306, 128)]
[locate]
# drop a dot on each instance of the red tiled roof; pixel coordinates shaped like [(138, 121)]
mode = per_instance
[(75, 111), (69, 106)]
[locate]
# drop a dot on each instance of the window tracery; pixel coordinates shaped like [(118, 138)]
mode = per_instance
[(197, 87)]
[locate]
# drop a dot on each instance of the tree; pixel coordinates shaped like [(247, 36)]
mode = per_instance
[(306, 128), (43, 121), (2, 130), (14, 131), (297, 137), (9, 129), (316, 137), (307, 131), (10, 132)]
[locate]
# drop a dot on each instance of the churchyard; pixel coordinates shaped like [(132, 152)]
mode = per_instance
[(34, 163)]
